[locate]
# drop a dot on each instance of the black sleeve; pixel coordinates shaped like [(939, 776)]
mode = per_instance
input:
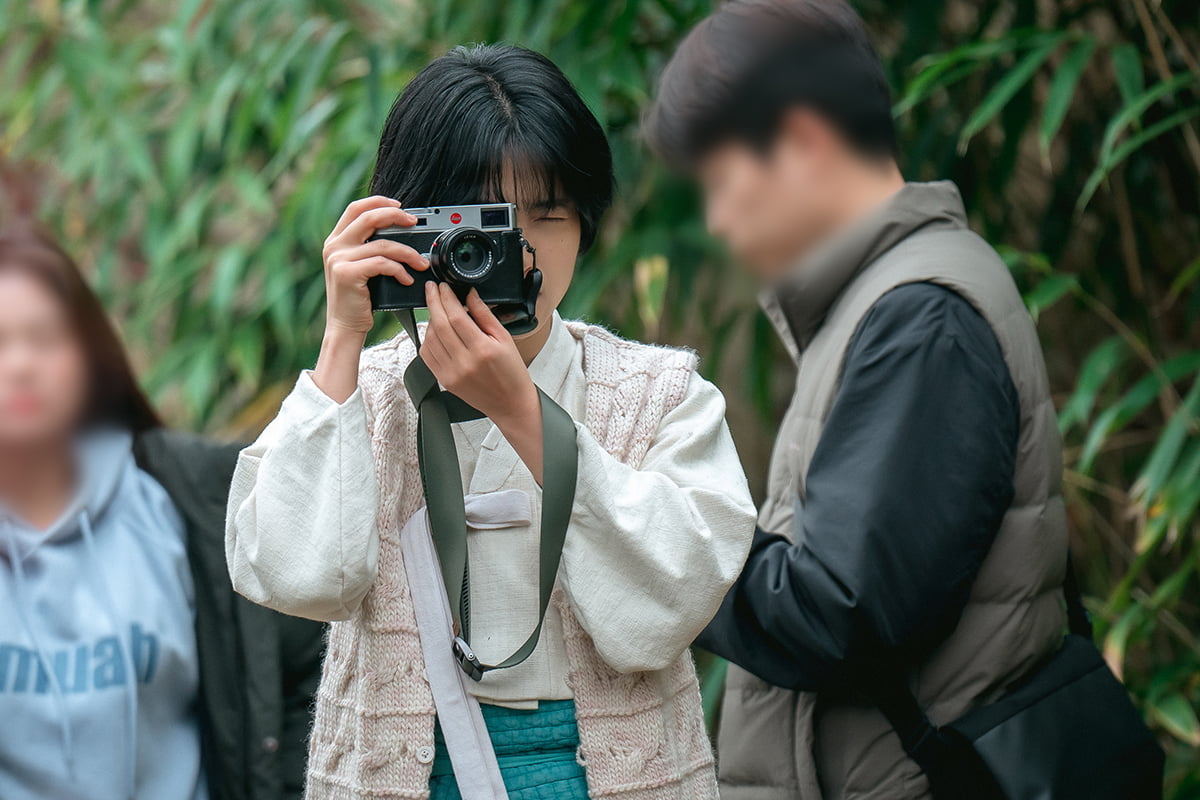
[(904, 495), (302, 647)]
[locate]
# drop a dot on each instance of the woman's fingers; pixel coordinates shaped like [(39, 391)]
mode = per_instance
[(483, 316), (439, 321), (364, 226), (433, 354), (387, 248), (358, 207), (433, 301), (456, 313), (358, 272)]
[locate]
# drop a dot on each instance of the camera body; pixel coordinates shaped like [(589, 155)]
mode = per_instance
[(469, 247)]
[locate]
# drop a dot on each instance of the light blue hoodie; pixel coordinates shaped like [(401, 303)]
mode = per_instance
[(98, 669)]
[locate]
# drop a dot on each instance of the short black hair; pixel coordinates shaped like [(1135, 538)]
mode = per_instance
[(741, 68), (469, 113)]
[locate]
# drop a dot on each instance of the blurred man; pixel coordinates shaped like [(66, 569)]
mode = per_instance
[(914, 523)]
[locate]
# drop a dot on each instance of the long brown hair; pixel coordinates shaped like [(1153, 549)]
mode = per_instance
[(26, 246)]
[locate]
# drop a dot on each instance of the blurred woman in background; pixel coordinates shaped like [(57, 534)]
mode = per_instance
[(128, 667)]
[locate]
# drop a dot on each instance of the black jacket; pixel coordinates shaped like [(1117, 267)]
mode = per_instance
[(906, 491), (259, 669)]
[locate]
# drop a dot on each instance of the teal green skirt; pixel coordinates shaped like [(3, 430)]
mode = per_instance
[(536, 751)]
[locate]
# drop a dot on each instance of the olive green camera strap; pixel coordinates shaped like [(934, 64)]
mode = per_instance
[(441, 478)]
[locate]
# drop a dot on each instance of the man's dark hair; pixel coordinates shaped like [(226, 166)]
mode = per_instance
[(739, 70), (468, 114)]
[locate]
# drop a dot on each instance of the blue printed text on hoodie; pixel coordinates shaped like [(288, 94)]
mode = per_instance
[(98, 667)]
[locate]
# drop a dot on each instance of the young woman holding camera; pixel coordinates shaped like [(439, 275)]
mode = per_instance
[(128, 666), (608, 702)]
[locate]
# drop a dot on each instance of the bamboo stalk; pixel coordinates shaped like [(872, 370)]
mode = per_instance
[(1159, 58)]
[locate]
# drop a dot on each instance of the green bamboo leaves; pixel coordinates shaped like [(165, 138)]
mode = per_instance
[(1033, 52), (1006, 88), (1062, 92), (1116, 146)]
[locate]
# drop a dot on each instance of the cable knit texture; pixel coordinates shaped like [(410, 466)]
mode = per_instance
[(642, 735)]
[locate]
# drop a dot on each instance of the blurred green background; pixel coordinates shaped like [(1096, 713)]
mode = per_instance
[(196, 153)]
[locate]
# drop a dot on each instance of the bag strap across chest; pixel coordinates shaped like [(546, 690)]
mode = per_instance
[(441, 479)]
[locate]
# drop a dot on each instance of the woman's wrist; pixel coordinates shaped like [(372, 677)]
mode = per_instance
[(519, 411), (336, 373), (521, 424)]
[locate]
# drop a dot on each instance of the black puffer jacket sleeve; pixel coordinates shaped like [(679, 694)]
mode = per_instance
[(259, 670), (905, 493)]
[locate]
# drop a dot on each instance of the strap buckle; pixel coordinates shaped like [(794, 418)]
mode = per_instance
[(466, 659)]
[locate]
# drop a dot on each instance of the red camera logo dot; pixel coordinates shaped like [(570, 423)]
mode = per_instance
[(455, 218)]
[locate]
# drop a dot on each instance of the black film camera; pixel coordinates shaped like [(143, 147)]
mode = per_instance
[(476, 246)]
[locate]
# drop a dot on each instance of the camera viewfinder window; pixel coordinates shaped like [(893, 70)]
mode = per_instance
[(494, 218)]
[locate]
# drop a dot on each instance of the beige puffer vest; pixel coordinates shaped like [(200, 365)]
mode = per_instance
[(777, 744), (642, 735)]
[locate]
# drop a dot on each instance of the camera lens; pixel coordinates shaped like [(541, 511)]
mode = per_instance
[(468, 255), (463, 256)]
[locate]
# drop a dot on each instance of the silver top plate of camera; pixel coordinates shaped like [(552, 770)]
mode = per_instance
[(485, 217)]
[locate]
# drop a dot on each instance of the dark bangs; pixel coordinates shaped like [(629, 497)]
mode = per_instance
[(475, 112)]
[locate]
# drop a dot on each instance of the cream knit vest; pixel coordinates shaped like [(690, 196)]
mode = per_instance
[(642, 735)]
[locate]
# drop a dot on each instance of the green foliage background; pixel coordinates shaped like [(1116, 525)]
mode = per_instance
[(196, 153)]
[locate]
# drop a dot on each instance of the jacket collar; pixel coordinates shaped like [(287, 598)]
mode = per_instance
[(550, 366), (798, 302)]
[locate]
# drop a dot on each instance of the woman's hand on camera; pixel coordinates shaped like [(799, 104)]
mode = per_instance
[(471, 353), (350, 259)]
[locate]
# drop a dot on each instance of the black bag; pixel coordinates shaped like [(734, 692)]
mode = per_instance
[(1067, 732)]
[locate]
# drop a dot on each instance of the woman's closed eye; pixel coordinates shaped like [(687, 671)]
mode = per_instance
[(549, 213)]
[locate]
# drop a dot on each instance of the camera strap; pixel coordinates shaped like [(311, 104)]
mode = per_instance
[(441, 479)]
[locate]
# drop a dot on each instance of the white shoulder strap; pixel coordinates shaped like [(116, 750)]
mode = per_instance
[(471, 754)]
